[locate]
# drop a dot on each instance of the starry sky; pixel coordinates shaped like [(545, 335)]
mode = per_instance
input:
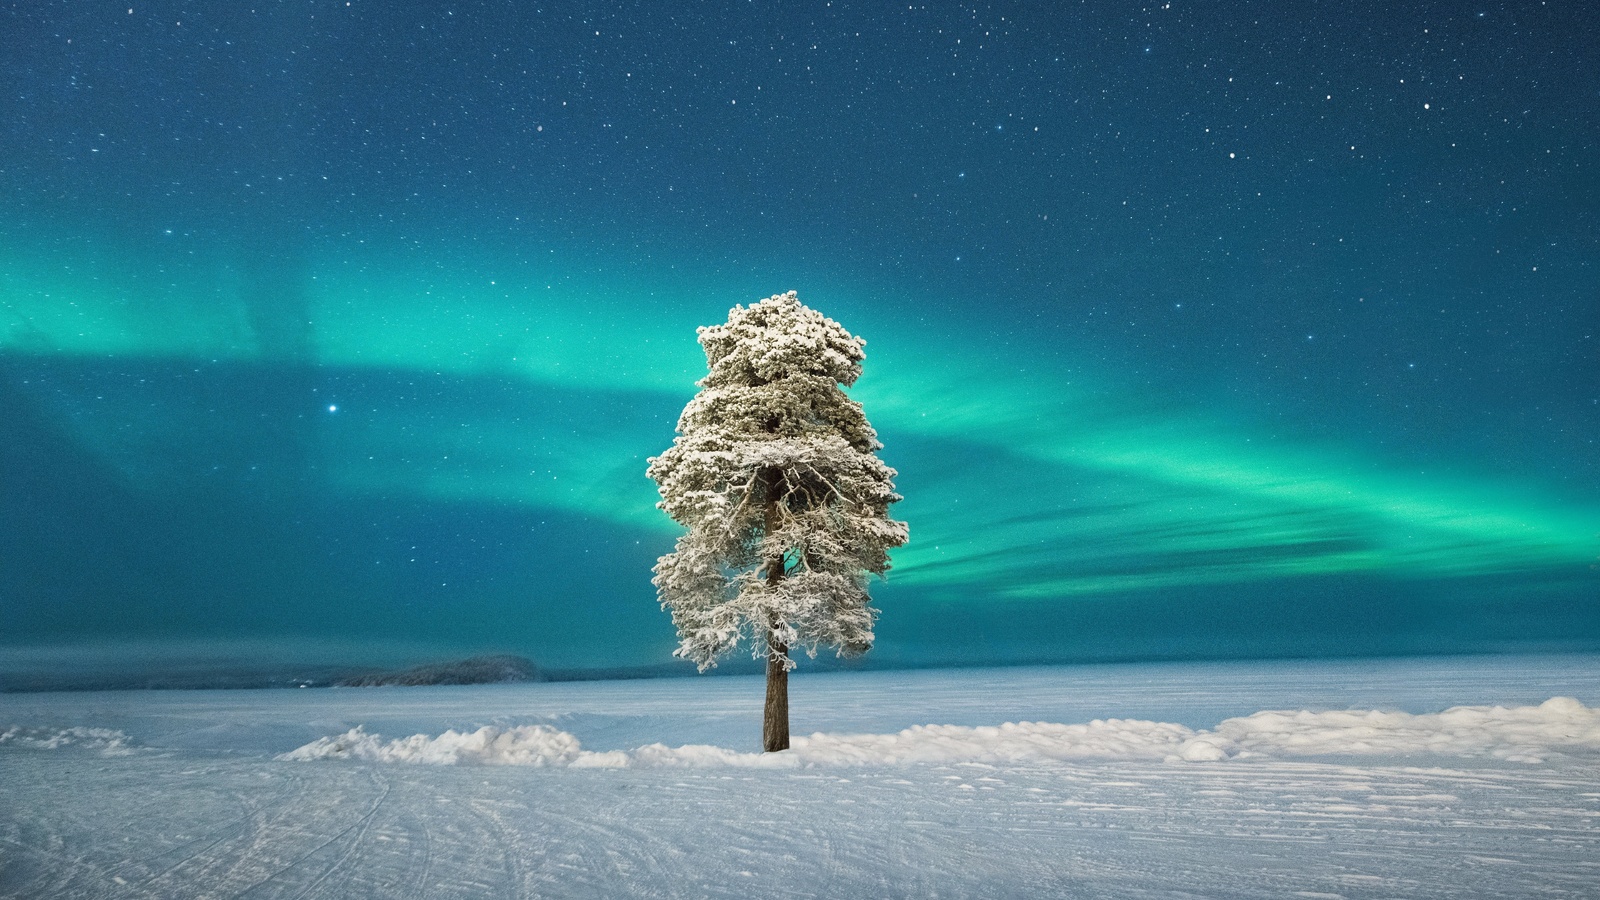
[(343, 330)]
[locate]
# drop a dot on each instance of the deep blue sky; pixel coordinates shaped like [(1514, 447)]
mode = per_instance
[(343, 330)]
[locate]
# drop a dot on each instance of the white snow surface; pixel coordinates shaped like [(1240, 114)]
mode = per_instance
[(108, 741), (1522, 734), (1413, 778)]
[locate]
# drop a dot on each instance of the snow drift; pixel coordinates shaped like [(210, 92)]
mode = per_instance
[(527, 745), (105, 740), (1519, 734), (1526, 734)]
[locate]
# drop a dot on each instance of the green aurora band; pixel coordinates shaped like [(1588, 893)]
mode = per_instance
[(1039, 485)]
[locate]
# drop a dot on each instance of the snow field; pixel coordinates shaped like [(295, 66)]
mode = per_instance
[(153, 826), (1373, 779)]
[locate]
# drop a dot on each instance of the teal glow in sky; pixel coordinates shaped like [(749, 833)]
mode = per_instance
[(326, 325)]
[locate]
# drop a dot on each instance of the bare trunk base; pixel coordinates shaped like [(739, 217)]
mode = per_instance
[(775, 718)]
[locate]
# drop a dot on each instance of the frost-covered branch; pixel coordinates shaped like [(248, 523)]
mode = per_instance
[(774, 462)]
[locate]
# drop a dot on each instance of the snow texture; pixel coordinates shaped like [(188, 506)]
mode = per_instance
[(106, 741), (774, 475), (642, 788), (1527, 734), (526, 745)]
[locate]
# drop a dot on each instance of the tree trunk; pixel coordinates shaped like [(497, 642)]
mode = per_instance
[(775, 719), (775, 716)]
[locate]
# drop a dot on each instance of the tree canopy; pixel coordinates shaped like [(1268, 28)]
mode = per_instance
[(774, 473)]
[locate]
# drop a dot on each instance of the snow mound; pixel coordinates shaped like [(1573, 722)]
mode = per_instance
[(1518, 734), (660, 756), (1009, 743), (107, 741), (525, 745)]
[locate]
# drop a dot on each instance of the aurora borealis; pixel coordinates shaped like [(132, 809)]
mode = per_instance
[(1194, 329)]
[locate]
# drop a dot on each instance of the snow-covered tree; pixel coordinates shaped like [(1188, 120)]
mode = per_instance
[(774, 474)]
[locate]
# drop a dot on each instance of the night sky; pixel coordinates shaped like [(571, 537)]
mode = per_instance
[(343, 330)]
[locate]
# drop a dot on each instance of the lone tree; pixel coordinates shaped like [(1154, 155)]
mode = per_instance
[(774, 474)]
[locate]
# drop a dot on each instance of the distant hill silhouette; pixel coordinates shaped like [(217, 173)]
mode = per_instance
[(477, 670)]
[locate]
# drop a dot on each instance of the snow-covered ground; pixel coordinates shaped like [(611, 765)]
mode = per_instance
[(1441, 778)]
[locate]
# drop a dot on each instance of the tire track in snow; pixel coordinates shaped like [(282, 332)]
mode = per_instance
[(234, 830), (90, 871), (608, 844), (508, 841), (426, 876), (360, 827), (640, 858), (58, 872), (252, 856), (201, 866)]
